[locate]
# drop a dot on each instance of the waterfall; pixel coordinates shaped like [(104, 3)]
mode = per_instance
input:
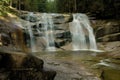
[(48, 30), (38, 29), (82, 33), (32, 39)]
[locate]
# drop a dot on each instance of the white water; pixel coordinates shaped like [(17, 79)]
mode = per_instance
[(82, 33), (49, 34), (38, 29), (32, 39)]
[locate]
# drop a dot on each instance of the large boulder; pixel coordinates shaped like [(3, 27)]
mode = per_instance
[(23, 67)]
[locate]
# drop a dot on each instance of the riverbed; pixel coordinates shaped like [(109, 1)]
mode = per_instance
[(81, 65)]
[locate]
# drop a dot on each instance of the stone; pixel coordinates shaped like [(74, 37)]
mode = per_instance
[(63, 35), (32, 62), (110, 38), (108, 30), (31, 75), (107, 74), (32, 18), (12, 34), (59, 43), (5, 38), (64, 26), (19, 66), (62, 18), (6, 61)]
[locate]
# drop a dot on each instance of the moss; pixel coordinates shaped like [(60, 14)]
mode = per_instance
[(111, 74)]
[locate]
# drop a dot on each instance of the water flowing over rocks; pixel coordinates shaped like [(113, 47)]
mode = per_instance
[(57, 31), (15, 36)]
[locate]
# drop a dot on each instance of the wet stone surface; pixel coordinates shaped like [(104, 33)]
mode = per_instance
[(19, 66)]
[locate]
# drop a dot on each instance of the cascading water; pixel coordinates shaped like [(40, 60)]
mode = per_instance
[(32, 39), (38, 29), (82, 33), (49, 34)]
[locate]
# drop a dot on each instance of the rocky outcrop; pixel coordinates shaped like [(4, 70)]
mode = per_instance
[(109, 31), (23, 67), (110, 38), (12, 34)]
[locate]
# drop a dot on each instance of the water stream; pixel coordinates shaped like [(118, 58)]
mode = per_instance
[(48, 29), (82, 33), (32, 39)]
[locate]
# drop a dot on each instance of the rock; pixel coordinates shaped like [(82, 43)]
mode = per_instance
[(41, 43), (107, 30), (12, 34), (64, 26), (59, 43), (109, 38), (32, 62), (6, 61), (32, 17), (26, 38), (20, 66), (110, 74), (5, 38), (62, 38), (31, 75), (111, 29), (100, 32), (62, 18), (64, 35)]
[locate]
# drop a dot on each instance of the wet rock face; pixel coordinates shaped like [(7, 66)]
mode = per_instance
[(57, 18), (61, 29), (61, 18), (23, 67), (108, 33), (31, 18), (11, 35)]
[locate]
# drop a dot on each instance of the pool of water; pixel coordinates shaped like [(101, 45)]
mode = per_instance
[(78, 64)]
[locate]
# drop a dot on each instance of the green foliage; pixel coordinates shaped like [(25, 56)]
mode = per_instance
[(99, 7), (51, 6), (30, 5), (4, 7)]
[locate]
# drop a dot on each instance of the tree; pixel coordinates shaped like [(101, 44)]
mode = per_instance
[(51, 6)]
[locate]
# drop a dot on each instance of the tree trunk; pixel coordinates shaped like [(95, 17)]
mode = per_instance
[(11, 3), (75, 6), (19, 3)]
